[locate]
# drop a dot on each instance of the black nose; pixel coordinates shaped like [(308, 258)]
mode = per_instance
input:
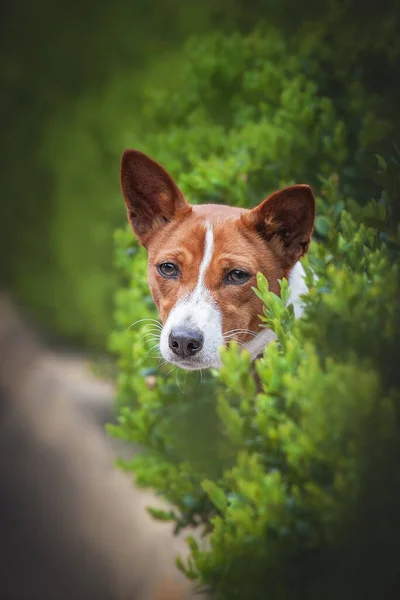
[(185, 342)]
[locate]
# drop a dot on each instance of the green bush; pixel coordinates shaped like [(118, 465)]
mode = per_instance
[(62, 135), (300, 492), (277, 477), (72, 100), (309, 510), (231, 116), (243, 116)]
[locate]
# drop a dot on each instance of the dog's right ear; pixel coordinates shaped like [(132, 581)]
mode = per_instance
[(151, 196)]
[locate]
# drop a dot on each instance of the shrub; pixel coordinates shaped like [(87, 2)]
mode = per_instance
[(246, 117), (275, 476), (239, 116), (300, 492), (61, 133), (309, 508)]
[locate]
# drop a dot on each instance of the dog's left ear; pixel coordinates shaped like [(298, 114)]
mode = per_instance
[(286, 220)]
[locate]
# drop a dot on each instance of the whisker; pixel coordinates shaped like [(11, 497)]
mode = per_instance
[(233, 336), (177, 383), (153, 347), (239, 342), (151, 327), (158, 358), (150, 338), (151, 333), (147, 319), (184, 381), (169, 372), (233, 339), (146, 344), (153, 321), (240, 331)]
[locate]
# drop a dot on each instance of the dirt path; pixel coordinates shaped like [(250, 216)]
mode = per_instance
[(66, 509), (92, 394)]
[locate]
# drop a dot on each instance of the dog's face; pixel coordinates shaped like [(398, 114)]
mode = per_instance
[(203, 260)]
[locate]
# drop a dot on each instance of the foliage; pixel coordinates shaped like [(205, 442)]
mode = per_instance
[(62, 135), (276, 476), (242, 116), (302, 100), (313, 501), (303, 499)]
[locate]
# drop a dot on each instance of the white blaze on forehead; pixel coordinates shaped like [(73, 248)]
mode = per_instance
[(207, 256), (197, 310)]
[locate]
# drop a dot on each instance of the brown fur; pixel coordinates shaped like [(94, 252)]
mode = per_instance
[(268, 239)]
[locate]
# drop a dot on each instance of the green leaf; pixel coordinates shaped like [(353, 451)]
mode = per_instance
[(381, 162), (161, 515), (216, 495), (323, 225)]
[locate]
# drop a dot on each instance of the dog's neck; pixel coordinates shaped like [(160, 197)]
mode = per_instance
[(298, 287)]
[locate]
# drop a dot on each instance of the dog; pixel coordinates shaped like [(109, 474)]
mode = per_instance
[(72, 525), (203, 260)]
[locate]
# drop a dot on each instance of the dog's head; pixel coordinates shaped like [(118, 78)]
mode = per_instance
[(203, 260)]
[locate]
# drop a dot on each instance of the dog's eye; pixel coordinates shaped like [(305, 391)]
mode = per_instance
[(168, 269), (237, 276)]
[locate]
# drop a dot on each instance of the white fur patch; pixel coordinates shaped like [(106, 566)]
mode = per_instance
[(208, 252), (298, 287), (197, 310)]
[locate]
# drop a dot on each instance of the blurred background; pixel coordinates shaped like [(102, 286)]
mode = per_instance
[(73, 95), (236, 98)]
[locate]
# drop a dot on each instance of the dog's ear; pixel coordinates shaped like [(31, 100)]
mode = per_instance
[(286, 220), (151, 196)]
